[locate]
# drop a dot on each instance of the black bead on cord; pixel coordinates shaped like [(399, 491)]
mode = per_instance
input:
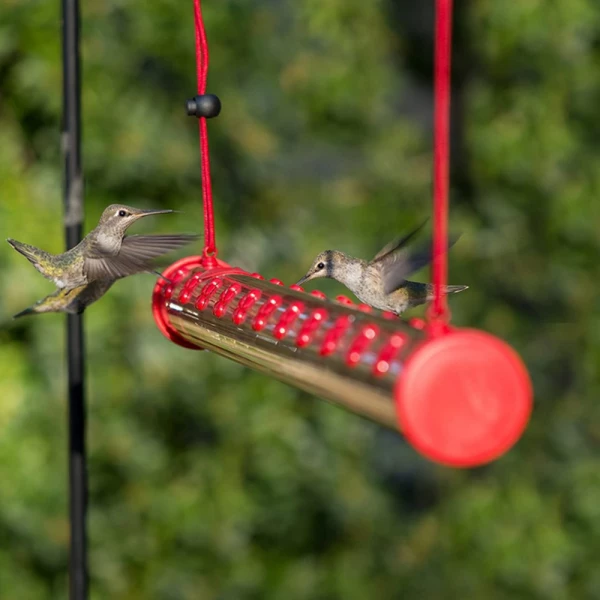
[(206, 105)]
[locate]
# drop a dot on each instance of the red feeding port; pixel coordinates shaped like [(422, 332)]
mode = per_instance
[(287, 318), (246, 303), (310, 327), (266, 310), (387, 353)]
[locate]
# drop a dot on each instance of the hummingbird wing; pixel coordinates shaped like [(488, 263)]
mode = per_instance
[(397, 261), (397, 244), (148, 247), (135, 256)]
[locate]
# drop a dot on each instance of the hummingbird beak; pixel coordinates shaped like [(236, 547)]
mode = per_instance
[(147, 213), (304, 279)]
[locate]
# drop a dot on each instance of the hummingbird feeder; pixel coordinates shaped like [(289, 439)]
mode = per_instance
[(460, 396)]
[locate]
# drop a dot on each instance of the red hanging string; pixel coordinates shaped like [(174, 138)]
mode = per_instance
[(210, 248), (439, 314)]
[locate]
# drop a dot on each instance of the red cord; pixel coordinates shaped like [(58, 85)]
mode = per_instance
[(439, 314), (210, 248)]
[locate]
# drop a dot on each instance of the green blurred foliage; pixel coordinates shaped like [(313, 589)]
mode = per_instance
[(210, 481)]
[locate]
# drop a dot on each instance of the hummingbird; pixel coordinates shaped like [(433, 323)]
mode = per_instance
[(381, 283), (73, 301), (105, 254)]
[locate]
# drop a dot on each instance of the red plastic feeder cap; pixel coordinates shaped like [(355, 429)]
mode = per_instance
[(464, 398)]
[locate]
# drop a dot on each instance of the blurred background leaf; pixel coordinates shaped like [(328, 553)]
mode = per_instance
[(211, 481)]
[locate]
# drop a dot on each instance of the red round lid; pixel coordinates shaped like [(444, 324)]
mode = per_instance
[(464, 398)]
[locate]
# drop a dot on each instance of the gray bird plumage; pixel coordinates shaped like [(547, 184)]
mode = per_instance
[(103, 256), (381, 283)]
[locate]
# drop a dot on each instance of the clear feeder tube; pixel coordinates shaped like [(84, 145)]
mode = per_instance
[(339, 352)]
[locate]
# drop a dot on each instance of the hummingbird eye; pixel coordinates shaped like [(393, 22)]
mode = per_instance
[(122, 213), (320, 266)]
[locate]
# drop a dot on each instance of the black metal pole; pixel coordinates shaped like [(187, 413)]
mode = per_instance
[(78, 577)]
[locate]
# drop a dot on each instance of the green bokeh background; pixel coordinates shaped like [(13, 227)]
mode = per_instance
[(210, 481)]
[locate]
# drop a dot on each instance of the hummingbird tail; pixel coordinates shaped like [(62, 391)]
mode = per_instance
[(454, 289), (31, 253), (449, 289), (24, 249), (27, 311)]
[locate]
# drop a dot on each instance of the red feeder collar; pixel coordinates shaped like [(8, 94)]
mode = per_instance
[(175, 273)]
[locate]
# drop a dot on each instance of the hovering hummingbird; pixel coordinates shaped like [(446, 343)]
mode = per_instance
[(105, 254), (73, 301), (381, 283)]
